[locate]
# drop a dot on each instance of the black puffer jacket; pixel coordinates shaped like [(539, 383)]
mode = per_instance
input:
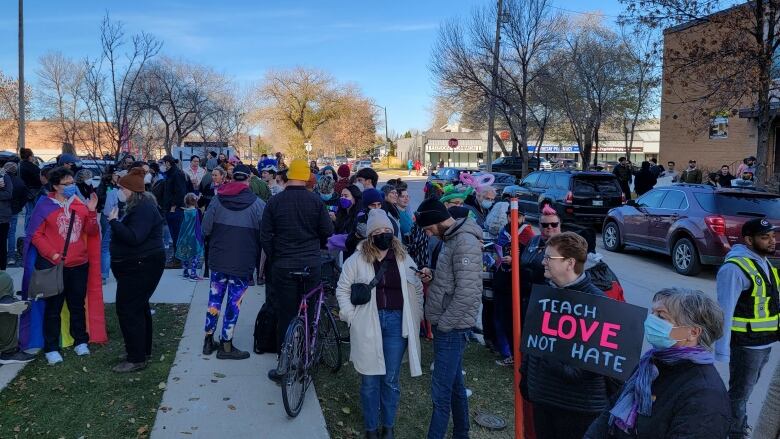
[(174, 189), (689, 401), (553, 383)]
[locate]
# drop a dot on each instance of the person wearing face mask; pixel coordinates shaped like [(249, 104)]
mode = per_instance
[(48, 230), (747, 286), (325, 186), (138, 262), (452, 306), (346, 217), (194, 171), (481, 203), (675, 391), (389, 320)]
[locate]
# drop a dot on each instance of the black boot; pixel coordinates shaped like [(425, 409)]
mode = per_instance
[(208, 345), (373, 434), (387, 433), (229, 352)]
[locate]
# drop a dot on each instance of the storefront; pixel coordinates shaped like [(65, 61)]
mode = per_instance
[(470, 153)]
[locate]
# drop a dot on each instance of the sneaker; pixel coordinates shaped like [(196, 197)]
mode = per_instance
[(229, 352), (81, 349), (508, 361), (11, 305), (127, 367), (251, 281), (260, 282), (16, 357), (195, 278), (53, 357), (11, 261)]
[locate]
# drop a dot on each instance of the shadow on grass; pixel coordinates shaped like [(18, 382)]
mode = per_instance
[(339, 396), (82, 397)]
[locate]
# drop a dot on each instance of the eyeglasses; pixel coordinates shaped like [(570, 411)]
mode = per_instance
[(549, 225), (548, 257)]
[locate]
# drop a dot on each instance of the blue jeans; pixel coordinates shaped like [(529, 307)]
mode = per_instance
[(105, 243), (12, 236), (744, 370), (447, 388), (380, 394)]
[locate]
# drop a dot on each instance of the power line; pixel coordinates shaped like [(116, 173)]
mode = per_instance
[(571, 11)]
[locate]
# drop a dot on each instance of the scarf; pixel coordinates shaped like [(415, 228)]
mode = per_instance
[(636, 397)]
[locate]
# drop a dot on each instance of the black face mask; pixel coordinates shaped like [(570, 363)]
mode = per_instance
[(383, 240)]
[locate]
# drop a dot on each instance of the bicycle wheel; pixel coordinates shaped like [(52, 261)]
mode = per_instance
[(294, 382), (328, 340)]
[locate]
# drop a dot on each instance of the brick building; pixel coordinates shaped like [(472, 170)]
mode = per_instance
[(43, 137), (717, 135)]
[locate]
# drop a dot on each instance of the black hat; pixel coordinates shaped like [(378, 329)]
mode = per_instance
[(758, 226), (458, 212), (430, 212), (241, 173)]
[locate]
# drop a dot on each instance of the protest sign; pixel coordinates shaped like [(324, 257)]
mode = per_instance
[(590, 332)]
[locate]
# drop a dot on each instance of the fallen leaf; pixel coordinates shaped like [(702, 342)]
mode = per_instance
[(346, 410), (340, 423), (161, 386), (84, 368), (219, 375), (231, 407), (142, 430), (131, 420)]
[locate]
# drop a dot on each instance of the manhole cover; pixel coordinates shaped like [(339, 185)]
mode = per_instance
[(490, 421)]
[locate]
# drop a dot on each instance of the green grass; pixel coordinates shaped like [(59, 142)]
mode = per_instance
[(339, 396), (82, 397)]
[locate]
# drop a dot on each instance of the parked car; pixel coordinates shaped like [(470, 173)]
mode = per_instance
[(361, 164), (11, 156), (445, 176), (566, 164), (579, 197), (512, 165), (694, 224), (98, 167)]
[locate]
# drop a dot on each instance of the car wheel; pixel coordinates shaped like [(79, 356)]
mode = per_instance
[(685, 258), (611, 237)]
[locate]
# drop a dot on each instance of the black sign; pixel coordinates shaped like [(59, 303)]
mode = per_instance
[(590, 332)]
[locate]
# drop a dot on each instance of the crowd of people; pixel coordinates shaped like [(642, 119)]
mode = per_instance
[(248, 224)]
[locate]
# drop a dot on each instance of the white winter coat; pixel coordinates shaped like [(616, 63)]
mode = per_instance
[(365, 332)]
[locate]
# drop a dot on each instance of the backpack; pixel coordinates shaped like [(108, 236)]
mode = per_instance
[(605, 280), (265, 330)]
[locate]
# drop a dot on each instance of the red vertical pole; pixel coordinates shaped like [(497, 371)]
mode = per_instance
[(516, 326)]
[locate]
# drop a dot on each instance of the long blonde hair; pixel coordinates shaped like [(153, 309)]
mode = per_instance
[(371, 252)]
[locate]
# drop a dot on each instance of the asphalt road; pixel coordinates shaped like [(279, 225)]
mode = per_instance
[(642, 274)]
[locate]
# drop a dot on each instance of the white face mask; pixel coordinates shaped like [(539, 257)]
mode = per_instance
[(148, 179), (121, 196)]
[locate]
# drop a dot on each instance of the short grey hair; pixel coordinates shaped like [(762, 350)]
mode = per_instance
[(484, 190), (690, 307)]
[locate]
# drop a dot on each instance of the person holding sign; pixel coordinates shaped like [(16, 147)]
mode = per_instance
[(675, 391), (557, 390)]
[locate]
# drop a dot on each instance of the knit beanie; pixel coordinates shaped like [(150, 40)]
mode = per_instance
[(371, 196), (134, 180), (298, 170), (241, 172), (377, 219), (343, 171), (430, 212)]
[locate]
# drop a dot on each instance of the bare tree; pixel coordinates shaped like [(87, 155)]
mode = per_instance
[(112, 81), (9, 105), (61, 92), (730, 60)]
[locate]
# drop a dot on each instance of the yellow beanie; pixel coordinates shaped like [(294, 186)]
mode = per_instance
[(298, 170)]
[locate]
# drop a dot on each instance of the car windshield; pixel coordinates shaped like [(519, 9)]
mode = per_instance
[(498, 161), (596, 185), (740, 204)]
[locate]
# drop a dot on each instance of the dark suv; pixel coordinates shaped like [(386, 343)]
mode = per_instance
[(511, 165), (693, 223), (579, 197), (446, 175)]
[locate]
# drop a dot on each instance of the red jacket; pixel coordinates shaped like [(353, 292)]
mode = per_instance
[(49, 239)]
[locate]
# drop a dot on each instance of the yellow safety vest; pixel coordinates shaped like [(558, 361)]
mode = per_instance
[(757, 308)]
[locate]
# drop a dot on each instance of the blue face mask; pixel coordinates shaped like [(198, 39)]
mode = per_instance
[(69, 190), (326, 197), (658, 332), (487, 204)]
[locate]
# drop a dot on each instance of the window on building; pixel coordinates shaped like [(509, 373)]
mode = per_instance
[(719, 127)]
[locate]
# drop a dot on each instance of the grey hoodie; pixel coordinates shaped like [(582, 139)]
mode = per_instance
[(731, 281), (456, 290)]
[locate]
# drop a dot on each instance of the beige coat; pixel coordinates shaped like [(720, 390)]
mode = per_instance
[(365, 332)]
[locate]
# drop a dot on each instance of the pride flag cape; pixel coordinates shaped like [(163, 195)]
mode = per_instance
[(31, 327)]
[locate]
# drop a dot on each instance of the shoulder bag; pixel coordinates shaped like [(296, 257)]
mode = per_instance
[(360, 294), (48, 282)]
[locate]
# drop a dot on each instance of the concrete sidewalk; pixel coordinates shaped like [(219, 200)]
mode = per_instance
[(207, 397)]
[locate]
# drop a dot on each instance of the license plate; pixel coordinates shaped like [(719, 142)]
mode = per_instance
[(598, 202)]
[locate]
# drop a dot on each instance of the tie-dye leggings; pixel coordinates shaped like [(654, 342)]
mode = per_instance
[(235, 288)]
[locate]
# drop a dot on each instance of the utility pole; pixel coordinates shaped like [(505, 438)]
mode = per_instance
[(21, 75), (387, 140), (493, 81)]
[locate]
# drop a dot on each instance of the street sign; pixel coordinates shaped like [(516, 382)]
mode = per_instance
[(453, 143), (308, 146)]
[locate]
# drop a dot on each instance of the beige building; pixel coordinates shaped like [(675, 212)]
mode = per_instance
[(43, 137), (714, 137)]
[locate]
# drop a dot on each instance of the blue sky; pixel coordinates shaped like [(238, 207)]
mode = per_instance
[(382, 46)]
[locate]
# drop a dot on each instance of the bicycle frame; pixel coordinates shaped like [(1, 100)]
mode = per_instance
[(311, 339)]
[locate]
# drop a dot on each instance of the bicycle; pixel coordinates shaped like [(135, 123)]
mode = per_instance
[(306, 345)]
